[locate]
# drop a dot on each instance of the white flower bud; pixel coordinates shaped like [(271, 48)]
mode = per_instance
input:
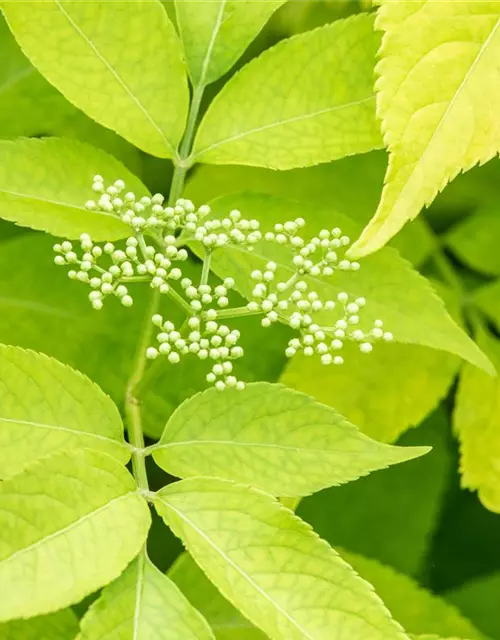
[(97, 304), (326, 358), (388, 336), (151, 353), (127, 301), (173, 357), (338, 360), (365, 347)]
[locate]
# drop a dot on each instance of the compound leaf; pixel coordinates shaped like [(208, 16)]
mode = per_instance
[(397, 294), (271, 437), (44, 184), (438, 98), (215, 34), (46, 407), (120, 62), (69, 524), (62, 625), (271, 565), (295, 105), (143, 604), (477, 423)]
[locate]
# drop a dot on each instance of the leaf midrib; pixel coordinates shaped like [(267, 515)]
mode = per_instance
[(57, 203), (240, 571), (117, 77), (64, 530), (280, 123), (53, 427)]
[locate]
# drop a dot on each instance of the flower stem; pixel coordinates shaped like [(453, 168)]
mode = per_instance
[(206, 267), (132, 405), (237, 312)]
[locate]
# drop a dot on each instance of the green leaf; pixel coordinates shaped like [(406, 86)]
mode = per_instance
[(478, 600), (44, 184), (283, 110), (334, 184), (396, 293), (29, 105), (474, 241), (412, 606), (399, 507), (487, 298), (477, 423), (270, 437), (385, 394), (143, 604), (270, 564), (62, 625), (438, 99), (418, 610), (68, 525), (45, 406), (215, 34), (120, 62), (226, 621)]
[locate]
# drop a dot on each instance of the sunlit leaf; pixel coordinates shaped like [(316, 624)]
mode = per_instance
[(438, 98)]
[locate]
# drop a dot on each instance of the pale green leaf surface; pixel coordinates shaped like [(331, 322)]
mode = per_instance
[(418, 610), (30, 106), (44, 184), (307, 100), (395, 293), (106, 57), (334, 184), (62, 625), (244, 539), (68, 525), (270, 437), (478, 600), (143, 604), (412, 606), (384, 393), (475, 240), (438, 98), (216, 33), (226, 621), (400, 506), (46, 407), (477, 424)]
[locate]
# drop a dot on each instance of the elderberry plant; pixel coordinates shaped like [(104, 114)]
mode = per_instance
[(152, 254), (237, 457)]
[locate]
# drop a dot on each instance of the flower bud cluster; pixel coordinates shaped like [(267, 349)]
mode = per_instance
[(206, 338), (323, 324), (231, 230)]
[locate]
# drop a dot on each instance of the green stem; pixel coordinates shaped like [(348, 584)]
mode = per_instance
[(206, 267), (132, 406), (178, 299), (237, 312)]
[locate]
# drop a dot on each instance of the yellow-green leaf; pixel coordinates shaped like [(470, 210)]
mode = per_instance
[(477, 423), (271, 565), (215, 33), (385, 394), (44, 184), (307, 100), (62, 625), (69, 524), (270, 437), (47, 407), (438, 98), (143, 604), (120, 62)]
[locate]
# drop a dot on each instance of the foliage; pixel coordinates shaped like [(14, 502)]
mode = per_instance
[(245, 279)]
